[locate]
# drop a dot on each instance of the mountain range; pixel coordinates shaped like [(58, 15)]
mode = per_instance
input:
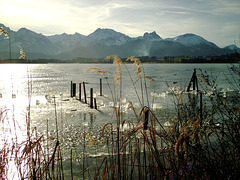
[(105, 42)]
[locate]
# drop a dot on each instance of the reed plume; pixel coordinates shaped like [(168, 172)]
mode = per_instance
[(22, 53), (4, 32), (117, 61), (137, 63), (7, 36), (150, 80), (97, 70)]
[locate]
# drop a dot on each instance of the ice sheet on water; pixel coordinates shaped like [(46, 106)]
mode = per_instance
[(100, 103), (136, 105), (232, 93), (160, 95), (174, 90), (167, 123), (125, 105), (228, 92), (124, 127), (157, 106)]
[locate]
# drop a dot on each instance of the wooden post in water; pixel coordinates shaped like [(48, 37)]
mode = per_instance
[(145, 124), (189, 85), (71, 95), (201, 113), (95, 103), (193, 81), (196, 81), (84, 91), (91, 97), (80, 91), (73, 89), (100, 87)]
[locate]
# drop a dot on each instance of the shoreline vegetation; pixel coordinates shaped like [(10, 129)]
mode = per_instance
[(229, 58)]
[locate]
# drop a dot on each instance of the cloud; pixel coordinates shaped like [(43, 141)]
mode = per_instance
[(132, 17), (230, 7)]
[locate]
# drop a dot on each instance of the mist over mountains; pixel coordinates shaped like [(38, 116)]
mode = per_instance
[(105, 42)]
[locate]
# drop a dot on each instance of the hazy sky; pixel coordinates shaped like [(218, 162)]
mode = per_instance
[(215, 20)]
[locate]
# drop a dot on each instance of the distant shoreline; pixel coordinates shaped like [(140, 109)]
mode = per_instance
[(228, 58), (235, 62), (143, 62)]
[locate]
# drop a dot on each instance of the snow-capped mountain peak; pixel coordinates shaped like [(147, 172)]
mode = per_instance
[(103, 42), (190, 39), (105, 33), (30, 36), (66, 37), (26, 33), (66, 41), (107, 37), (232, 47)]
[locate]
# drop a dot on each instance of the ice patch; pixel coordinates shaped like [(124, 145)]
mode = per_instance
[(124, 127), (160, 95), (157, 106), (174, 91), (167, 124)]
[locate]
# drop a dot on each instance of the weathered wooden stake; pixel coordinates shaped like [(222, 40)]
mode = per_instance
[(201, 113), (196, 81), (71, 95), (91, 118), (91, 97), (84, 91), (189, 85), (73, 89), (145, 124), (95, 103), (80, 91), (100, 87), (193, 81)]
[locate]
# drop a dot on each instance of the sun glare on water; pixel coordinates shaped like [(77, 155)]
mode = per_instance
[(13, 91), (13, 103)]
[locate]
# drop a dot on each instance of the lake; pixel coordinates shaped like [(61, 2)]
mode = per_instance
[(22, 85), (44, 91)]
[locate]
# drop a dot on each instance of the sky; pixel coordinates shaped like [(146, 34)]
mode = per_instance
[(217, 21)]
